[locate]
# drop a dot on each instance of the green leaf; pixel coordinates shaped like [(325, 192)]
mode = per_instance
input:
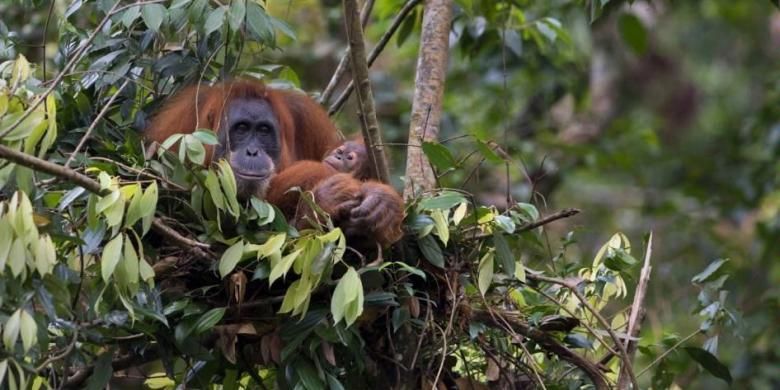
[(206, 136), (485, 276), (520, 271), (17, 257), (529, 211), (196, 152), (280, 268), (129, 264), (6, 240), (431, 251), (29, 330), (259, 23), (439, 156), (102, 372), (709, 273), (230, 258), (11, 330), (215, 190), (153, 15), (214, 21), (505, 223), (149, 200), (504, 253), (347, 301), (633, 32), (488, 153), (134, 209), (208, 320), (442, 227), (710, 363), (129, 16), (444, 200), (229, 188), (110, 257), (236, 14)]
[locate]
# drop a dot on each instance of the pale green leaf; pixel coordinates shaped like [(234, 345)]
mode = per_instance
[(485, 272), (28, 329), (230, 258), (520, 271), (17, 257), (212, 184), (153, 15), (347, 300), (441, 227), (214, 21), (459, 213), (112, 252), (280, 268), (6, 240), (11, 330)]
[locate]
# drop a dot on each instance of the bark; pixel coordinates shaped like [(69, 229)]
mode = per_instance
[(368, 121), (429, 89)]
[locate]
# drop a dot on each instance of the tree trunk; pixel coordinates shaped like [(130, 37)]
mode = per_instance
[(429, 89)]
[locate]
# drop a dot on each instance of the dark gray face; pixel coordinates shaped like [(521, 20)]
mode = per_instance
[(250, 141)]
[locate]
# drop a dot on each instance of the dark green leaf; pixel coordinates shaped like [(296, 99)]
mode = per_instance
[(431, 251), (504, 254), (488, 153), (208, 320), (444, 200), (710, 363), (439, 155), (102, 372), (709, 273), (406, 28), (633, 32)]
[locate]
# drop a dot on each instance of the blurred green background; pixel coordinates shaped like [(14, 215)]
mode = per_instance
[(658, 116)]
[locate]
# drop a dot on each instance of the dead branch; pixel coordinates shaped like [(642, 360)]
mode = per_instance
[(637, 312)]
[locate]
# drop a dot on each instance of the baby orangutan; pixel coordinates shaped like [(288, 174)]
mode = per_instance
[(350, 157)]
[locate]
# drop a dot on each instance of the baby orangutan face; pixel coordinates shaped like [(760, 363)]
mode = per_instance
[(351, 157)]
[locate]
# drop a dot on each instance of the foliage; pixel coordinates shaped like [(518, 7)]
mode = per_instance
[(474, 294)]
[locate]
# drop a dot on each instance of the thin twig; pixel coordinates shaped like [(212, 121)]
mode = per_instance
[(62, 355), (94, 124), (372, 56), (344, 62)]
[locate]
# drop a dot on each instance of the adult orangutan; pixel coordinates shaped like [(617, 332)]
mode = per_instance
[(274, 141)]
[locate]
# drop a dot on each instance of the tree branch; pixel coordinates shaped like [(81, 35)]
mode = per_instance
[(369, 123), (548, 343), (394, 26), (93, 186)]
